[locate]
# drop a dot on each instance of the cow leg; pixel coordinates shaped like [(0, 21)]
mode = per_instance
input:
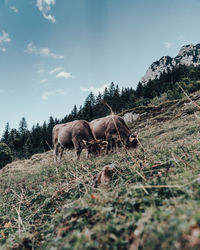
[(60, 153), (77, 147), (56, 149), (78, 153), (108, 146), (114, 145)]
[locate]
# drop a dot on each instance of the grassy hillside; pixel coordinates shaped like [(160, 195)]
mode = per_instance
[(153, 201)]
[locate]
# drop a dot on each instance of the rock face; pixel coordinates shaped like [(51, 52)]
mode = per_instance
[(188, 55), (129, 117)]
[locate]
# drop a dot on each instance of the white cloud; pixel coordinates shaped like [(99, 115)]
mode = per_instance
[(55, 70), (96, 91), (2, 91), (52, 93), (4, 38), (43, 80), (3, 49), (14, 9), (44, 51), (168, 45), (32, 49), (50, 18), (45, 6), (63, 74)]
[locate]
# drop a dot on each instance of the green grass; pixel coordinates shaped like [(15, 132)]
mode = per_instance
[(152, 201)]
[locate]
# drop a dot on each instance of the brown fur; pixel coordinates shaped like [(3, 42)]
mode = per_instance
[(114, 129), (77, 134)]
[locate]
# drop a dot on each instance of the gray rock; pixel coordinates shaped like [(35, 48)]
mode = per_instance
[(188, 55), (130, 117)]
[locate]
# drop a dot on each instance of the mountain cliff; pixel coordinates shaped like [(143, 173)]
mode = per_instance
[(188, 55)]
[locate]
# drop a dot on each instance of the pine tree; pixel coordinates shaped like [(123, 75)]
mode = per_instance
[(131, 101), (28, 149), (5, 137), (74, 112), (23, 126), (111, 90), (105, 95), (88, 109), (44, 136), (41, 147), (36, 135), (5, 155), (139, 90), (50, 126), (116, 100)]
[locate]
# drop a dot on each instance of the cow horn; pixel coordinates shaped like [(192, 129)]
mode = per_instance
[(104, 143), (86, 143)]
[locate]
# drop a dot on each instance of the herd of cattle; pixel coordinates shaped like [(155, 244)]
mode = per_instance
[(109, 132)]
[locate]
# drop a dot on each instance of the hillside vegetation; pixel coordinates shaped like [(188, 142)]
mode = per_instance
[(152, 201)]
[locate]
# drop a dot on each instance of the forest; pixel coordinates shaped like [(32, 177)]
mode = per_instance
[(23, 143)]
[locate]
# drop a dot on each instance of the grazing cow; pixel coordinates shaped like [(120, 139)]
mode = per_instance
[(76, 134), (114, 129)]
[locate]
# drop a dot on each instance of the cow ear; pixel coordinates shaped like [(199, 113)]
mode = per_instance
[(86, 143), (132, 137)]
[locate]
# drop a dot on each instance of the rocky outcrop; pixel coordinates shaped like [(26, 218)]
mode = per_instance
[(188, 55)]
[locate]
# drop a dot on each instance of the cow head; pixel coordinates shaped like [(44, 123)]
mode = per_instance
[(132, 141), (94, 147)]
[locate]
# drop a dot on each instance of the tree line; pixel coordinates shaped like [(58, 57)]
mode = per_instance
[(23, 142)]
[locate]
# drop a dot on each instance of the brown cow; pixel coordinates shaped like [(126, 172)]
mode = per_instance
[(76, 134), (114, 129)]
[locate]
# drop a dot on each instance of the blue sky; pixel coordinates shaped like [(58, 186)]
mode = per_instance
[(53, 52)]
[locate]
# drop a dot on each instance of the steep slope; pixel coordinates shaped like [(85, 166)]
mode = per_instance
[(152, 202), (188, 55)]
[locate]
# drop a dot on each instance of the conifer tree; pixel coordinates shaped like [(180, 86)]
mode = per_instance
[(139, 90), (23, 126), (5, 155), (49, 130), (5, 137), (27, 148)]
